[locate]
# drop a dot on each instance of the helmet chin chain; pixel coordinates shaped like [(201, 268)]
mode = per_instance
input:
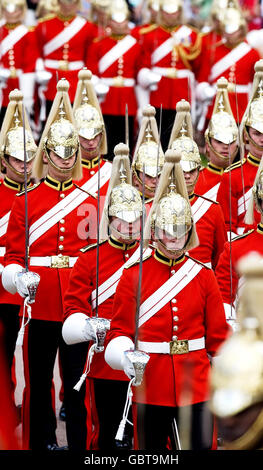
[(117, 235), (61, 170), (18, 173)]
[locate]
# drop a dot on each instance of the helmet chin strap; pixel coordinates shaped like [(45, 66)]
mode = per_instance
[(222, 157), (18, 173), (94, 152), (117, 235), (151, 190), (61, 170)]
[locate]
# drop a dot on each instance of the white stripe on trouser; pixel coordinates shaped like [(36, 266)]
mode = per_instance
[(164, 347)]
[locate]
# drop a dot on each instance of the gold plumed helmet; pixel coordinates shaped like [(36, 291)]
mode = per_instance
[(256, 197), (60, 134), (46, 7), (148, 153), (154, 4), (12, 142), (171, 6), (237, 374), (253, 115), (11, 5), (87, 111), (232, 18), (122, 200), (181, 138), (171, 210), (118, 11)]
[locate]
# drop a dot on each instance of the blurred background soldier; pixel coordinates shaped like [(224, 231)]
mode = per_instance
[(234, 59), (45, 7), (221, 143), (19, 53), (12, 167), (148, 154), (64, 39), (237, 181), (115, 60), (207, 214), (99, 17), (168, 63), (53, 245), (169, 312), (119, 233), (227, 269), (149, 17), (236, 378)]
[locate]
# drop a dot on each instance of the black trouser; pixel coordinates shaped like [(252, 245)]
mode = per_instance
[(110, 398), (155, 426), (115, 129), (10, 320), (168, 117), (44, 340)]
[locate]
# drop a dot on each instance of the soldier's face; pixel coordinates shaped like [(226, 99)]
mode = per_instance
[(170, 19), (149, 184), (257, 137), (68, 7), (226, 150), (127, 231), (170, 246), (65, 165), (13, 15), (18, 165), (90, 147), (191, 178), (118, 28)]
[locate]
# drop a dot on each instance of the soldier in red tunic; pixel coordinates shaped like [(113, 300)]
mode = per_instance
[(54, 241), (180, 318), (221, 143), (237, 181), (207, 214), (92, 287), (167, 70), (64, 39), (115, 60), (233, 59), (19, 54), (227, 268), (12, 167)]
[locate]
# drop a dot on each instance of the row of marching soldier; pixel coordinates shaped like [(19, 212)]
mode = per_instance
[(159, 62), (158, 305)]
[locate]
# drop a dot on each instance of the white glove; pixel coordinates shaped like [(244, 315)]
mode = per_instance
[(101, 91), (205, 92), (233, 324), (26, 284), (43, 77), (4, 75), (148, 79)]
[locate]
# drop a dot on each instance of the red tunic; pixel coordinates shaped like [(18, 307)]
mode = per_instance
[(19, 56), (209, 180), (171, 90), (112, 256), (238, 70), (65, 237), (199, 312), (104, 63), (226, 274), (73, 49), (239, 175), (211, 231), (8, 190)]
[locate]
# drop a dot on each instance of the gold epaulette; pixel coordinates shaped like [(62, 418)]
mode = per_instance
[(234, 165), (144, 258), (31, 28), (197, 261), (206, 198), (50, 16), (91, 245), (148, 29), (30, 188), (242, 235)]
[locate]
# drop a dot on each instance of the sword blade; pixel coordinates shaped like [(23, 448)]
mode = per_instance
[(25, 184), (140, 265)]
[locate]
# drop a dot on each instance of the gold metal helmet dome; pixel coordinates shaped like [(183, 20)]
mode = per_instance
[(125, 200), (12, 5), (173, 215), (118, 11), (62, 136), (171, 6), (222, 125), (189, 151), (88, 120), (255, 113), (154, 4), (232, 18), (148, 152), (16, 140)]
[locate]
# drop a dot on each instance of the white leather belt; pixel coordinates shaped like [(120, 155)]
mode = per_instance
[(172, 72), (2, 250), (173, 347), (56, 261), (118, 81), (64, 64)]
